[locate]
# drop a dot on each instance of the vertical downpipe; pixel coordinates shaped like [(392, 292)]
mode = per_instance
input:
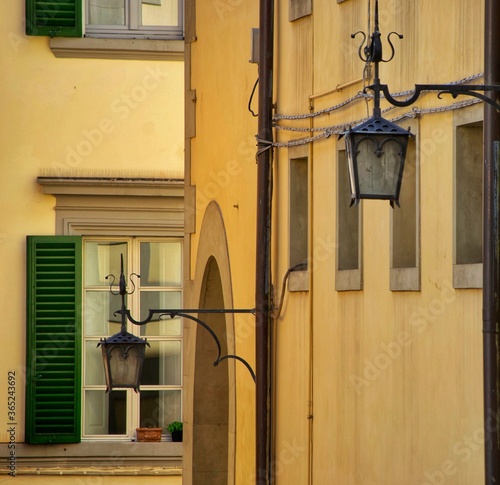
[(491, 248), (263, 248)]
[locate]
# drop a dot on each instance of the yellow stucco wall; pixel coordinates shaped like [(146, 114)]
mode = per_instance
[(223, 169), (70, 117), (372, 386)]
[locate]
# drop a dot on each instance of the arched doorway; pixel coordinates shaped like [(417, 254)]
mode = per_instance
[(211, 389)]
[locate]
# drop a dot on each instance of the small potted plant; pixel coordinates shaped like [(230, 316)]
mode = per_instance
[(175, 429)]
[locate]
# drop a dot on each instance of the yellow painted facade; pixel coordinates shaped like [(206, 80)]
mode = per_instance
[(370, 386), (78, 118)]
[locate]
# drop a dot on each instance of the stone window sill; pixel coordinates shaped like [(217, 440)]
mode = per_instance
[(102, 458), (299, 281), (134, 49)]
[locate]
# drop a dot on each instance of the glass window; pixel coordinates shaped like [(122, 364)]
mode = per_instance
[(468, 254), (348, 274), (298, 211), (158, 261), (134, 18), (405, 227)]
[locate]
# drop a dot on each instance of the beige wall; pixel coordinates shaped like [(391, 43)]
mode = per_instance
[(70, 117), (371, 386), (396, 376)]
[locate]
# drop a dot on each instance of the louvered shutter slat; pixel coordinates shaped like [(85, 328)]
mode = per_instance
[(55, 18), (53, 377)]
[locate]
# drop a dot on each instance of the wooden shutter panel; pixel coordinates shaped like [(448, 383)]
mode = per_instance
[(56, 18), (53, 374)]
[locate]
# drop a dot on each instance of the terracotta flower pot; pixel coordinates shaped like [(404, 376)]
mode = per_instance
[(148, 434)]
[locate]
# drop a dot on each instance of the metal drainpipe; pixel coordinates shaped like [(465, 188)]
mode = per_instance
[(263, 248), (491, 246)]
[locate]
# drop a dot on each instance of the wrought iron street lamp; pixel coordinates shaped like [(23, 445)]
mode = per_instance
[(123, 353), (376, 149)]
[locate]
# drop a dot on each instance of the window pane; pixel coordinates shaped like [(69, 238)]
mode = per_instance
[(105, 413), (98, 314), (298, 211), (348, 220), (94, 367), (160, 408), (106, 12), (160, 300), (469, 194), (404, 218), (160, 264), (162, 364), (103, 259), (163, 13)]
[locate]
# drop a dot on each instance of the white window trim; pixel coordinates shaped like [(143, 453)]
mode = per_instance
[(133, 28), (133, 245)]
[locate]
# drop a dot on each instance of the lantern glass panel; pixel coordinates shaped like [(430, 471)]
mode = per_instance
[(351, 164), (379, 164), (124, 365)]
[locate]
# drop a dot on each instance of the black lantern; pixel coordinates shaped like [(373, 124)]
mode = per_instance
[(123, 353), (376, 151), (123, 356)]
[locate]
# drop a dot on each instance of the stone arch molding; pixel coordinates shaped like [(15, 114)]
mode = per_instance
[(212, 247)]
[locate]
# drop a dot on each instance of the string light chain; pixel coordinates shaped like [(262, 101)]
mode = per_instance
[(365, 96), (328, 131)]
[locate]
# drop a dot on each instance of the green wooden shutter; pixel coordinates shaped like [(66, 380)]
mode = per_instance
[(53, 374), (56, 18)]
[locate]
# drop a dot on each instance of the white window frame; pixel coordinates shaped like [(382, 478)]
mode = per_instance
[(133, 27), (133, 300)]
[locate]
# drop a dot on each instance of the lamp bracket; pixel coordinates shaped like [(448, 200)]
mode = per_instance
[(475, 90), (187, 313), (172, 313)]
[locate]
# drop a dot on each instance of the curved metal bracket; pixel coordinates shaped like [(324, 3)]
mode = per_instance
[(454, 90), (360, 48), (393, 51), (172, 313), (186, 313)]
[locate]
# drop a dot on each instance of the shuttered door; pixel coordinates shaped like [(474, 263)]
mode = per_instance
[(55, 18), (53, 375)]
